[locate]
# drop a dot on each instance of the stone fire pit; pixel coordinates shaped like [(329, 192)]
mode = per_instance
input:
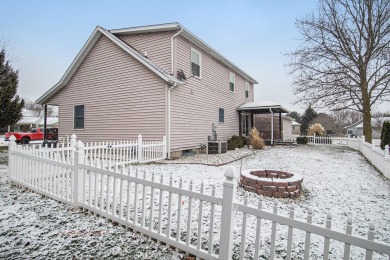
[(272, 183)]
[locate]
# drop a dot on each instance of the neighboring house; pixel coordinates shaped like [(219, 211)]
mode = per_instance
[(296, 128), (356, 129), (158, 80), (33, 118)]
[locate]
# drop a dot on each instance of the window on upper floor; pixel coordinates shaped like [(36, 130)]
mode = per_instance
[(221, 115), (78, 121), (196, 60), (232, 81), (246, 89)]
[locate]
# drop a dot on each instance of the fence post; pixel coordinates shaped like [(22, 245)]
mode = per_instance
[(228, 212), (73, 141), (77, 180), (165, 147), (11, 148), (139, 148), (386, 154)]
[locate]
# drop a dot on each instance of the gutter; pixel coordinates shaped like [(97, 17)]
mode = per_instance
[(272, 126), (169, 96)]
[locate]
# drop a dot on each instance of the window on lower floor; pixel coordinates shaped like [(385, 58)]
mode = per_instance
[(221, 115), (78, 122), (350, 131)]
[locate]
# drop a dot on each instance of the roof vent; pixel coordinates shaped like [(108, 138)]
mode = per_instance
[(146, 54)]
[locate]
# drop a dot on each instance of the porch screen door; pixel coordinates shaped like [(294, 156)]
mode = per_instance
[(244, 123)]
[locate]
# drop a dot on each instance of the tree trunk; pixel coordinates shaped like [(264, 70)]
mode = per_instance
[(367, 128)]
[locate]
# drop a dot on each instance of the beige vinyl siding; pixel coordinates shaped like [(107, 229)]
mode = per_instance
[(156, 44), (195, 106), (122, 97)]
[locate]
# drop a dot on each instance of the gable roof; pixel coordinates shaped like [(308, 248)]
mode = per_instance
[(99, 31), (190, 37)]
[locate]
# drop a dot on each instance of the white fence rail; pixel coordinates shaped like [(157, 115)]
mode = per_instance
[(179, 213), (379, 158), (327, 140), (126, 152)]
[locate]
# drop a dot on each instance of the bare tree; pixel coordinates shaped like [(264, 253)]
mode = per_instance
[(328, 122), (29, 104), (345, 118), (343, 61)]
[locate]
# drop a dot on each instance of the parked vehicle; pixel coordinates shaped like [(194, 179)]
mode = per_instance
[(35, 134)]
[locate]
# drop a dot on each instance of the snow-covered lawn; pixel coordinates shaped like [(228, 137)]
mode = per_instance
[(336, 180), (32, 226)]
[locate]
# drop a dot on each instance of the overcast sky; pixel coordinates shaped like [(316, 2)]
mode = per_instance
[(45, 36)]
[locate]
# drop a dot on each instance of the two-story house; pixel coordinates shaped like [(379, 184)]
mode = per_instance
[(158, 80)]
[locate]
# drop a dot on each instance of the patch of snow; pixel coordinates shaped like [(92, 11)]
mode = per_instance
[(33, 226), (336, 180)]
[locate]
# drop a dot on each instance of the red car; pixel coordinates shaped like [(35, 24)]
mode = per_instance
[(36, 134)]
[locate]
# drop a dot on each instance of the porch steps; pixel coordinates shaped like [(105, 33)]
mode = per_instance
[(286, 143)]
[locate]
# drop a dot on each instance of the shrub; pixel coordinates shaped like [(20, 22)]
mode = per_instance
[(244, 141), (317, 129), (302, 140), (235, 142), (255, 140), (385, 134)]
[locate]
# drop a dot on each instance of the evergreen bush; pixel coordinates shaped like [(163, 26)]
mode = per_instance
[(385, 134), (235, 142), (302, 140)]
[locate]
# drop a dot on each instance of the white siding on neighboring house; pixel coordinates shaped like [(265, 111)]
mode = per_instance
[(287, 129), (122, 97)]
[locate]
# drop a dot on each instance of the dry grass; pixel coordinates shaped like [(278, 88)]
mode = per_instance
[(255, 140), (317, 129)]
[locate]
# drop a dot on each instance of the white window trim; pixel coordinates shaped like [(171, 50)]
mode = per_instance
[(200, 62), (78, 129), (247, 86), (234, 82)]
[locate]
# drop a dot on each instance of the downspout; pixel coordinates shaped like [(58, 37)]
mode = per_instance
[(272, 126), (169, 121), (169, 97)]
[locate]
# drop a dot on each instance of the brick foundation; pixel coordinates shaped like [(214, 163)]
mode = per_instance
[(272, 183)]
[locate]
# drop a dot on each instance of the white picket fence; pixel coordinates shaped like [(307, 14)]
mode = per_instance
[(125, 152), (378, 157), (179, 213), (111, 152), (326, 140)]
